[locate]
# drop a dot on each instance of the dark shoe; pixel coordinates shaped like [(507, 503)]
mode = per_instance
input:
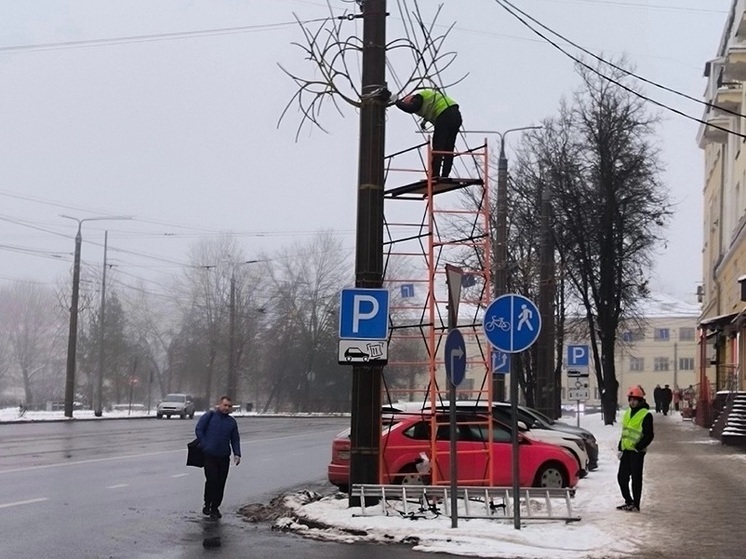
[(625, 506), (215, 513), (632, 508), (206, 510)]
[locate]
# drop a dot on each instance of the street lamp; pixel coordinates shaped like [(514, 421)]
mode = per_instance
[(72, 339), (501, 285)]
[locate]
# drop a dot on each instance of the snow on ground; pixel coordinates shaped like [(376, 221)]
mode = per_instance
[(602, 532), (10, 415)]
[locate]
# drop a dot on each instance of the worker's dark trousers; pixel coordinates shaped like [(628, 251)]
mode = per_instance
[(444, 139), (630, 466), (216, 472)]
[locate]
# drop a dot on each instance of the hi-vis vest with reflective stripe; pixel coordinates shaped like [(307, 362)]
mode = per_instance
[(433, 103), (632, 428)]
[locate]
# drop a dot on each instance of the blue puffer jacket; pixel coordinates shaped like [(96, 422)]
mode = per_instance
[(221, 434)]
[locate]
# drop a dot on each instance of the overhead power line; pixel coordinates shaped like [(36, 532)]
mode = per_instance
[(156, 37), (508, 8), (621, 69)]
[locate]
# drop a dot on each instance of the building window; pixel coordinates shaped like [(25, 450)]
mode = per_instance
[(662, 335), (686, 334), (686, 363), (660, 364), (636, 363), (630, 336)]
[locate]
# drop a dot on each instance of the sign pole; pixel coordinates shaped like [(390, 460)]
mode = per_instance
[(577, 414), (516, 462), (453, 280)]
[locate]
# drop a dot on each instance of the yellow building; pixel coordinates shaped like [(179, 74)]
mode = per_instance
[(724, 252)]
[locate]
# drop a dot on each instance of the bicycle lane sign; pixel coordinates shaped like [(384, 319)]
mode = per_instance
[(512, 323)]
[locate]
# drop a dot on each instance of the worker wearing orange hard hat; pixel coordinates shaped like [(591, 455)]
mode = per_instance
[(637, 434)]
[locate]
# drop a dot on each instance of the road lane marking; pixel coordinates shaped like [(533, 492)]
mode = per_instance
[(144, 455), (6, 505), (118, 486), (179, 475)]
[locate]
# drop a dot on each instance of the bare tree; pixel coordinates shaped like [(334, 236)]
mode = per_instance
[(599, 160), (305, 281), (199, 349), (27, 314), (334, 51)]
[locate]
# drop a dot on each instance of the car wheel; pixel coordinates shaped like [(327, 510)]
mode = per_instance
[(182, 415), (409, 475), (159, 415), (552, 475), (191, 415), (348, 358)]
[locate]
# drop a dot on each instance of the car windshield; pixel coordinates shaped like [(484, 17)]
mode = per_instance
[(543, 417), (174, 398)]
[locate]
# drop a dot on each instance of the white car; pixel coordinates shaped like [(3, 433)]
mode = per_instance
[(571, 443)]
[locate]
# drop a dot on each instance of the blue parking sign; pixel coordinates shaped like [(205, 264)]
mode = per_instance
[(364, 314), (578, 356)]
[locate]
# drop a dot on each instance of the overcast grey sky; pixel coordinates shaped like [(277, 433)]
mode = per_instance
[(182, 132)]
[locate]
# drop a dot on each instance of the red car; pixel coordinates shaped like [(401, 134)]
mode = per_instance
[(541, 464)]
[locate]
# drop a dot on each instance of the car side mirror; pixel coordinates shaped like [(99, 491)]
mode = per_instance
[(522, 425)]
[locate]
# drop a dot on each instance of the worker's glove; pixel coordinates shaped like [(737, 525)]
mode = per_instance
[(387, 96)]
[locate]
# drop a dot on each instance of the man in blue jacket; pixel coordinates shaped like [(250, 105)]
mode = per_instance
[(217, 432)]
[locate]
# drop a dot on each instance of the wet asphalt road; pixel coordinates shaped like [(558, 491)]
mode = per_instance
[(120, 489)]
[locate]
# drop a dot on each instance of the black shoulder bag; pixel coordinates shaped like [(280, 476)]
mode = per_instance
[(195, 454)]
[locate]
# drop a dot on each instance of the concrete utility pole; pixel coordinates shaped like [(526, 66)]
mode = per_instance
[(98, 404), (546, 384), (232, 388), (501, 234), (72, 339), (365, 436)]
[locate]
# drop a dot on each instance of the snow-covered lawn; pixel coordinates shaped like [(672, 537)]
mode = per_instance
[(603, 531)]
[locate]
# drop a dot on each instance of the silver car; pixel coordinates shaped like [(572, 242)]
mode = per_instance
[(176, 404)]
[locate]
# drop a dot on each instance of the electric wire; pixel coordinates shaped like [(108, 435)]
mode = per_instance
[(620, 68), (628, 89), (156, 37)]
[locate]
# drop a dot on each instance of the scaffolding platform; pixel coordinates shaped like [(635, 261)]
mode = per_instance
[(418, 190)]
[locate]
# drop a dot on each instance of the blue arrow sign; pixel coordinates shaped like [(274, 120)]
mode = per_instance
[(455, 357), (500, 362), (512, 323)]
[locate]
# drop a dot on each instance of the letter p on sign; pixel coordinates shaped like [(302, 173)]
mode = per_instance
[(364, 314), (358, 314)]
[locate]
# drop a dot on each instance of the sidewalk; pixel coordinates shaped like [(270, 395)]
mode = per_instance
[(694, 497)]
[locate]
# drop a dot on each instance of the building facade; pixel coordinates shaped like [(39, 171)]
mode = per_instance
[(722, 137)]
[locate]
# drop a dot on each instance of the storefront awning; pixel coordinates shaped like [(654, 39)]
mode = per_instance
[(718, 322)]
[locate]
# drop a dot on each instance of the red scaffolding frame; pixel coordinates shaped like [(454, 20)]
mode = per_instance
[(428, 224)]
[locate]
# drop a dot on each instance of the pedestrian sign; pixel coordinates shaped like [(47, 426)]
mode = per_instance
[(512, 323), (364, 314)]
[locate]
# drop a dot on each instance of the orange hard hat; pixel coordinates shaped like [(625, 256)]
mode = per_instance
[(636, 392)]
